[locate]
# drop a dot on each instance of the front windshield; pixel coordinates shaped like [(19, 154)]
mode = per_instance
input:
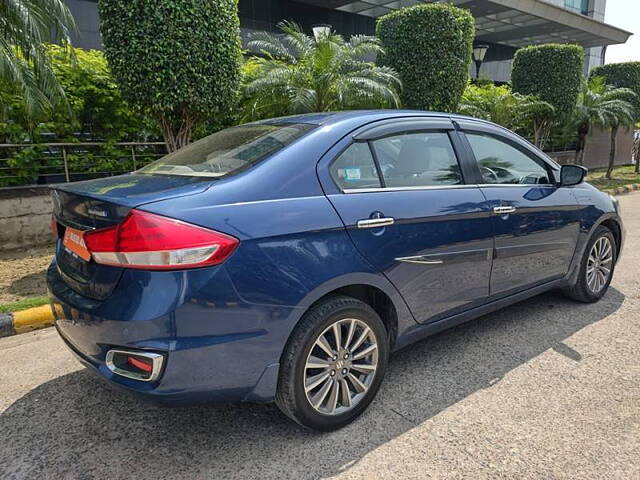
[(229, 151)]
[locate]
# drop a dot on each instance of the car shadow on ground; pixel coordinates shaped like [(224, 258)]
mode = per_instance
[(76, 427)]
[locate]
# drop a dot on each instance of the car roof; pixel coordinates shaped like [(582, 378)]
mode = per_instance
[(367, 116), (329, 118)]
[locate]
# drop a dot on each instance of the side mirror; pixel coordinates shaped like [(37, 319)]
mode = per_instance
[(572, 175)]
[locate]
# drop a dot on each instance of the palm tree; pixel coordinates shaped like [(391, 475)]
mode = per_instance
[(622, 119), (299, 74), (512, 110), (599, 105), (25, 25)]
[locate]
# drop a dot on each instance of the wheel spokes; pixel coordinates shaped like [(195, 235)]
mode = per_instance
[(315, 362), (345, 393), (365, 332), (337, 333), (324, 345), (315, 380), (340, 366), (365, 352), (333, 398), (319, 397)]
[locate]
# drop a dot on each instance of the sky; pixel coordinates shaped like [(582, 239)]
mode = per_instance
[(624, 14)]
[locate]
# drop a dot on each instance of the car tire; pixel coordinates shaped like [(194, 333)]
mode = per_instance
[(347, 371), (583, 290)]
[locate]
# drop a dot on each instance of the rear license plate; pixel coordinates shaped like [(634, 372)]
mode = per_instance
[(74, 242)]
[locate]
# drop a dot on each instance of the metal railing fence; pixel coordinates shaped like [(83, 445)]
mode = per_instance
[(45, 163)]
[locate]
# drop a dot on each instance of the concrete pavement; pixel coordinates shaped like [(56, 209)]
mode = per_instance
[(548, 388)]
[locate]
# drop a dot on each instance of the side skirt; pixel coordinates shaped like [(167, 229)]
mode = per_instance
[(419, 332)]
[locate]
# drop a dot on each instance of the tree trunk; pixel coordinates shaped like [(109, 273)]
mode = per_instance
[(636, 152), (612, 152), (176, 134), (540, 131), (580, 148), (583, 130)]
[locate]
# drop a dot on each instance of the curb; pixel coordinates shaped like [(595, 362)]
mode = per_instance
[(632, 187), (25, 320)]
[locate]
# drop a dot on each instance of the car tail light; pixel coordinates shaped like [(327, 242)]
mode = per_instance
[(148, 241), (54, 226)]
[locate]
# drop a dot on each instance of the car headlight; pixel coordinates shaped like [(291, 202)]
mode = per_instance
[(616, 203)]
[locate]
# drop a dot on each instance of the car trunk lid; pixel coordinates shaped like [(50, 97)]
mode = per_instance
[(101, 203)]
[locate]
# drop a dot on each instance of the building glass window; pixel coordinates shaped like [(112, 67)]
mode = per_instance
[(580, 6)]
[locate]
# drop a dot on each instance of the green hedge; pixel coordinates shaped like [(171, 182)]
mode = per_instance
[(622, 75), (178, 60), (97, 113), (552, 72), (430, 47)]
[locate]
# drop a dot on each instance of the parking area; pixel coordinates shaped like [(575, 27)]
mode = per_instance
[(547, 388)]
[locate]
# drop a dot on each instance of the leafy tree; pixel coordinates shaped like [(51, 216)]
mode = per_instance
[(97, 113), (300, 74), (177, 60), (552, 72), (24, 65), (97, 110), (622, 75), (600, 105), (523, 113), (430, 47)]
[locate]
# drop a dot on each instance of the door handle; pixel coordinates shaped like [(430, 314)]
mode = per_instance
[(504, 210), (375, 222)]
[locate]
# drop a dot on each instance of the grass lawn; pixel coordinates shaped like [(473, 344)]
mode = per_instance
[(23, 304), (621, 176)]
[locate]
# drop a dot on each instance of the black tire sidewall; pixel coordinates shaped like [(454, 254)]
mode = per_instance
[(582, 282), (303, 412)]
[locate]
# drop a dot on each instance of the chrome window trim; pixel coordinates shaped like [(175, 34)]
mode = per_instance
[(445, 187), (486, 185)]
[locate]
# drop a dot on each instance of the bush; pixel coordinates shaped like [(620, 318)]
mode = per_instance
[(97, 113), (622, 75), (551, 72), (525, 114), (177, 60), (430, 47)]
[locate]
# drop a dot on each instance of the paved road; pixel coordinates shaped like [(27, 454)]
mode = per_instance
[(545, 389)]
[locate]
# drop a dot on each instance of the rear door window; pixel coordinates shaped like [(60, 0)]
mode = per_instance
[(420, 159), (355, 168)]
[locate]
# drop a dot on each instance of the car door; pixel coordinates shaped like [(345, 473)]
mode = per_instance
[(535, 223), (400, 191)]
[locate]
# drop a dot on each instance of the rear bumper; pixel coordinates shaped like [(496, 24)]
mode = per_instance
[(216, 349)]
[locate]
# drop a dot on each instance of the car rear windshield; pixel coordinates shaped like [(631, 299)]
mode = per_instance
[(229, 151)]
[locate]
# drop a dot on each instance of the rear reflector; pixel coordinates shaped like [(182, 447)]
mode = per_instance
[(148, 241), (138, 365), (143, 364)]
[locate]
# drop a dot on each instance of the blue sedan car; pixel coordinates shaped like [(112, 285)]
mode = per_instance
[(286, 259)]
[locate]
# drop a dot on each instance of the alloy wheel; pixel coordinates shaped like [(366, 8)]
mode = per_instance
[(341, 366), (599, 264)]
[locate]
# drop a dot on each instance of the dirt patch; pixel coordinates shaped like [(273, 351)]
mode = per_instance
[(22, 273)]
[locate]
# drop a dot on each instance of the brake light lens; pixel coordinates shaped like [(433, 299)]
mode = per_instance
[(148, 241), (54, 226)]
